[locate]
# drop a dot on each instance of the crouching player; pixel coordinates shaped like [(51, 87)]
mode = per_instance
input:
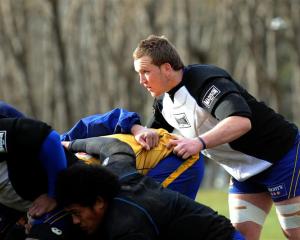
[(116, 202)]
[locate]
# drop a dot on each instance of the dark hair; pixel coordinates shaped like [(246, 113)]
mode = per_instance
[(83, 184), (160, 50)]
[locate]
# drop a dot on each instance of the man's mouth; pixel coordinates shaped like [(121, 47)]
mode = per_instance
[(83, 228)]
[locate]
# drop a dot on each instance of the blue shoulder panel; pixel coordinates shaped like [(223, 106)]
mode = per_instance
[(117, 120), (8, 111)]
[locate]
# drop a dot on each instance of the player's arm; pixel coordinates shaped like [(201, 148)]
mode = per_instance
[(102, 147), (42, 144), (147, 137), (114, 154), (228, 106), (117, 120)]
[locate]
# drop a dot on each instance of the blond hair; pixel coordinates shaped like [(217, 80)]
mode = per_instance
[(160, 50)]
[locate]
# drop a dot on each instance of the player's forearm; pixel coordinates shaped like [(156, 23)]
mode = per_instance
[(136, 128), (226, 131)]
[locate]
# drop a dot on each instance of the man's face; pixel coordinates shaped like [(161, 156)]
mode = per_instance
[(152, 77), (88, 218)]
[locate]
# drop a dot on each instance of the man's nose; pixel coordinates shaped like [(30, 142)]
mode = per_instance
[(75, 219), (142, 78)]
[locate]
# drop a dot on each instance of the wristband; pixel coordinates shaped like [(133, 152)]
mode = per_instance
[(202, 141)]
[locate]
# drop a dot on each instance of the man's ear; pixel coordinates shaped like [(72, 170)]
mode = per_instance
[(166, 68), (100, 203)]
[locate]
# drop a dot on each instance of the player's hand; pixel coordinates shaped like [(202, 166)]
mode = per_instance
[(146, 137), (65, 144), (185, 147), (42, 205)]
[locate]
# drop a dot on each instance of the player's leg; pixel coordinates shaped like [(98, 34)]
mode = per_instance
[(285, 191), (279, 183), (288, 213), (249, 205), (248, 212)]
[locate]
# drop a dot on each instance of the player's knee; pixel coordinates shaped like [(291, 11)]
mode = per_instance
[(243, 211), (288, 215)]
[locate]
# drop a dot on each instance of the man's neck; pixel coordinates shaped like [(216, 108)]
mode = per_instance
[(176, 82), (176, 78)]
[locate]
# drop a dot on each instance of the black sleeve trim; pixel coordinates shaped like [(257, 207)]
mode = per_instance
[(158, 120), (232, 105)]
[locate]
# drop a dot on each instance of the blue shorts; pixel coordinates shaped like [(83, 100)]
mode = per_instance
[(187, 183), (238, 236), (281, 180)]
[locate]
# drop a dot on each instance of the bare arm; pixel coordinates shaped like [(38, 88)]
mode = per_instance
[(227, 130)]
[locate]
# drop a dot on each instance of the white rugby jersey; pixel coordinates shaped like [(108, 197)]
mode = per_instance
[(206, 96)]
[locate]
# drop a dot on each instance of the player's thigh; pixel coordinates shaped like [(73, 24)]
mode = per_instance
[(249, 207), (248, 212), (288, 212)]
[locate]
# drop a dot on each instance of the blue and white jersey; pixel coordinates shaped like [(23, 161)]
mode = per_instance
[(206, 96)]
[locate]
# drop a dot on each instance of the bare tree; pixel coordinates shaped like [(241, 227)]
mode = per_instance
[(62, 60)]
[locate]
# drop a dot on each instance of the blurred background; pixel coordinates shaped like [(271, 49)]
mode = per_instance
[(61, 60)]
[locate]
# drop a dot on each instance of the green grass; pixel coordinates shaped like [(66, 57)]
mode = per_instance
[(217, 199)]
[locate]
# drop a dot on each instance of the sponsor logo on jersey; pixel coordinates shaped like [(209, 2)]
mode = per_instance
[(182, 120), (278, 190), (56, 231), (105, 162), (3, 141), (210, 96)]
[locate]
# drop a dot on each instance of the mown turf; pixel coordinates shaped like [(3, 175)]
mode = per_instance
[(217, 199)]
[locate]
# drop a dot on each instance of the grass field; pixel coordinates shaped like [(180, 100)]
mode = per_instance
[(217, 199)]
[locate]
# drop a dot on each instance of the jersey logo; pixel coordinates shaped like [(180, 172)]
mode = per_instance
[(56, 231), (182, 120), (105, 161), (277, 191), (210, 96), (3, 141)]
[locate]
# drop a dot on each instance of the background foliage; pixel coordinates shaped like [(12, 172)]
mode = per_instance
[(63, 59)]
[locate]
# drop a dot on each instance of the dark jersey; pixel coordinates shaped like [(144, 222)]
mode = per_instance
[(20, 142), (143, 209), (206, 96)]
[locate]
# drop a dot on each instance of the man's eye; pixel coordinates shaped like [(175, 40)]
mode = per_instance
[(74, 213), (77, 214)]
